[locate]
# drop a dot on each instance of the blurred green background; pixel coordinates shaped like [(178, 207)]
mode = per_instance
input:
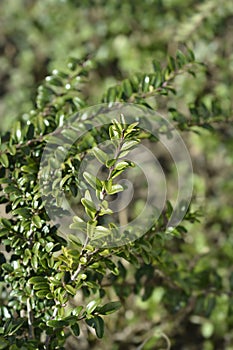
[(123, 37)]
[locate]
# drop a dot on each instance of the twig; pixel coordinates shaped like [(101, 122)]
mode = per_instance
[(104, 193)]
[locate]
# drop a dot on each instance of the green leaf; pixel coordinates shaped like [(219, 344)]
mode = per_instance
[(71, 135), (119, 126), (3, 180), (91, 228), (24, 212), (36, 279), (4, 232), (78, 224), (54, 140), (16, 324), (40, 286), (4, 160), (110, 163), (145, 83), (100, 155), (114, 132), (180, 58), (100, 232), (108, 185), (77, 310), (116, 189), (116, 173), (49, 247), (112, 267), (92, 306), (98, 324), (6, 223), (34, 262), (122, 124), (146, 257), (75, 329), (70, 289), (64, 180), (129, 144), (134, 261), (104, 211), (134, 80), (77, 219), (11, 149), (190, 56), (122, 165), (127, 88), (54, 80), (156, 66), (89, 207), (111, 94), (37, 221), (7, 267), (30, 169), (132, 126), (109, 308), (171, 63), (17, 133), (12, 189), (56, 323), (36, 248), (88, 195), (93, 181), (42, 293), (146, 245)]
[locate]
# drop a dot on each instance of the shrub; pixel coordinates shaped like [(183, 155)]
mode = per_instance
[(58, 278)]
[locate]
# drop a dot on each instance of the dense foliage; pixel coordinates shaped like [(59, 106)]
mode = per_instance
[(172, 287)]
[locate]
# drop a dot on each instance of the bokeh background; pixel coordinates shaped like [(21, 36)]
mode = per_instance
[(123, 37)]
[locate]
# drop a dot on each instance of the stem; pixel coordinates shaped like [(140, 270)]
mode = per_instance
[(116, 155), (163, 85)]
